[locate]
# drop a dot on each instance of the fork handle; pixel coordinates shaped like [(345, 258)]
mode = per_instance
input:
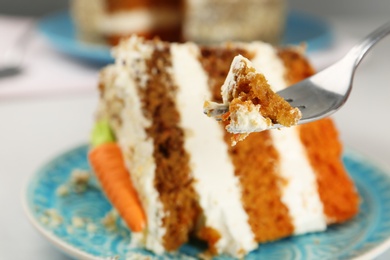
[(360, 50)]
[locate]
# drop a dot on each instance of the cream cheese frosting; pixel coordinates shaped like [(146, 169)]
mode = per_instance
[(299, 189), (247, 119), (137, 20), (137, 148), (217, 186)]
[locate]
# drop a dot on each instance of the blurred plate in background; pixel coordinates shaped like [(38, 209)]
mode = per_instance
[(59, 29)]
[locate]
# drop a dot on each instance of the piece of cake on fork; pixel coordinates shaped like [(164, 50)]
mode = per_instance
[(249, 103)]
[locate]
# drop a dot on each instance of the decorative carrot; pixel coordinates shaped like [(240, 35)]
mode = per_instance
[(102, 133), (109, 166)]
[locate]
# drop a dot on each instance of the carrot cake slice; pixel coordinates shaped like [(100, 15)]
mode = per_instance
[(185, 179)]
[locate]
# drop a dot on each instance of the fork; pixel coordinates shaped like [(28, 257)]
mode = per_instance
[(325, 92)]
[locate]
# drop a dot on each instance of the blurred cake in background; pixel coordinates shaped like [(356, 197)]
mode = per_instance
[(213, 21), (201, 21), (106, 21)]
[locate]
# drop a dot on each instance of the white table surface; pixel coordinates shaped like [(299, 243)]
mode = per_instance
[(49, 108)]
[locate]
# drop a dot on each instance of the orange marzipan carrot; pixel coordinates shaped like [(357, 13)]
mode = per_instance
[(109, 166)]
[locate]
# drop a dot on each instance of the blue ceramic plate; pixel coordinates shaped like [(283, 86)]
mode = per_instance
[(366, 236), (59, 30)]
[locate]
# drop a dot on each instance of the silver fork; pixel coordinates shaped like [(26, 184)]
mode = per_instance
[(325, 92)]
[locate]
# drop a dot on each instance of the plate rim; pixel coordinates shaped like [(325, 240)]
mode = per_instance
[(56, 241), (77, 253)]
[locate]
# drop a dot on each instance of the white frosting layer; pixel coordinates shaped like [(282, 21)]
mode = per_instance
[(132, 53), (247, 119), (299, 189), (136, 146), (93, 19), (228, 90), (217, 186), (267, 62), (137, 20)]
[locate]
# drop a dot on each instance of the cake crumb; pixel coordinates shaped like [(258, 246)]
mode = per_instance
[(51, 218), (109, 220), (78, 182), (78, 222), (91, 228), (69, 229), (62, 190), (117, 257), (44, 220), (80, 178), (137, 256), (205, 255)]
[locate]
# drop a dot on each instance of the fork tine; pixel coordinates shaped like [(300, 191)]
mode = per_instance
[(313, 101)]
